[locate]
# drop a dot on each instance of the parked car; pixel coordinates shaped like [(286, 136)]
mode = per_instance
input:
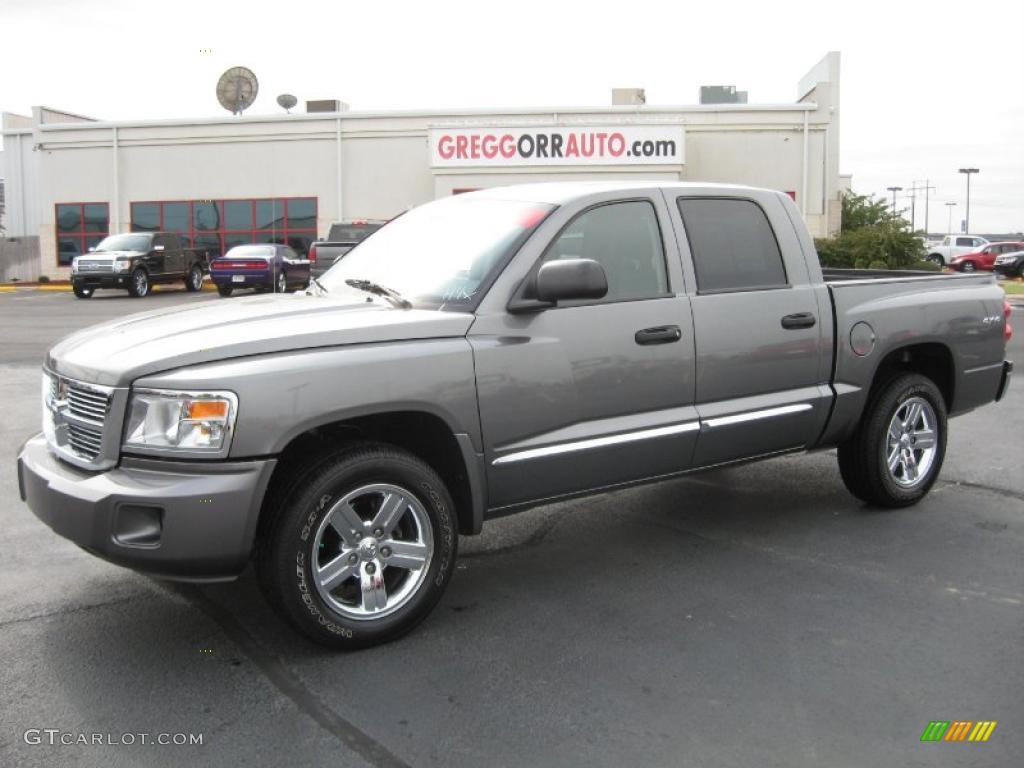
[(341, 239), (136, 261), (985, 258), (953, 246), (484, 354), (1010, 264), (263, 266)]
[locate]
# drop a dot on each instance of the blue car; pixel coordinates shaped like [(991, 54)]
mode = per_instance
[(264, 266)]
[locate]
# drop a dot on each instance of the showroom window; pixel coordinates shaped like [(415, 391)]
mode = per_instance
[(217, 225), (80, 226)]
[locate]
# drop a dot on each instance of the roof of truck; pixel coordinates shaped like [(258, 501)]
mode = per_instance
[(557, 192)]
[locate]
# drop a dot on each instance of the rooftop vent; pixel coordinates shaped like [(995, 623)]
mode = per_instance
[(722, 94), (326, 105), (628, 97)]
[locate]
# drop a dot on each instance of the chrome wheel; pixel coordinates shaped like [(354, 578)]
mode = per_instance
[(968, 266), (372, 551), (196, 278), (911, 442), (282, 282)]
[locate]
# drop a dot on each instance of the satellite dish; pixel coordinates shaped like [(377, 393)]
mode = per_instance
[(237, 89), (286, 101)]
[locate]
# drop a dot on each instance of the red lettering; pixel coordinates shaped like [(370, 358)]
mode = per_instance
[(445, 148), (489, 146), (571, 147), (460, 147), (587, 150), (616, 144), (508, 145), (474, 146), (600, 143)]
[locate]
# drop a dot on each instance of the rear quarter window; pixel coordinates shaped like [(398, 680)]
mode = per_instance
[(733, 245)]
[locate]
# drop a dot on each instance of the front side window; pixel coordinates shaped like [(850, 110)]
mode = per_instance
[(733, 245), (624, 238)]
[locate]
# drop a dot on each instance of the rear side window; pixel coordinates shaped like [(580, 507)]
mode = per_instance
[(733, 245), (965, 241), (625, 239)]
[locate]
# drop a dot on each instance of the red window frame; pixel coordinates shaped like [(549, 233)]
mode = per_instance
[(222, 232), (81, 235)]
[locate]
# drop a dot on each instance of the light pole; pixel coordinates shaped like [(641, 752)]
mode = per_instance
[(949, 222), (967, 215), (894, 190)]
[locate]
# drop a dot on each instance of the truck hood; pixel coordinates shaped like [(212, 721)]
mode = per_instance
[(118, 352)]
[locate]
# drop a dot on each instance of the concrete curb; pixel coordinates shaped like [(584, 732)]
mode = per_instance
[(66, 287)]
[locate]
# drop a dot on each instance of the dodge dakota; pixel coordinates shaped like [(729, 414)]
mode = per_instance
[(483, 354)]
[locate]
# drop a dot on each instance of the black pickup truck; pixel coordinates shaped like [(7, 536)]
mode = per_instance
[(136, 261)]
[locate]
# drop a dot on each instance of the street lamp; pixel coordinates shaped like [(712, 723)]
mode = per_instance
[(894, 190), (967, 215), (949, 223)]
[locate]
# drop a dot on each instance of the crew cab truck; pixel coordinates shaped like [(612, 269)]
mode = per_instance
[(487, 353), (136, 261), (952, 246)]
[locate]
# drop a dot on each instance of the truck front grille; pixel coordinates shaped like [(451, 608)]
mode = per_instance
[(96, 265), (79, 418)]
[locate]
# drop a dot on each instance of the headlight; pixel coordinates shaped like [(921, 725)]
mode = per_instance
[(162, 421), (121, 264)]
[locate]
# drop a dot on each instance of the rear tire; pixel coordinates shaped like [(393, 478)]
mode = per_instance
[(82, 292), (225, 290), (138, 283), (281, 284), (339, 567), (895, 456)]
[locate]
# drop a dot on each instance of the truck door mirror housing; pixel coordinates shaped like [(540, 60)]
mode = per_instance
[(568, 279)]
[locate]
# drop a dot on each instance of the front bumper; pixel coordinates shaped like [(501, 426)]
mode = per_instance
[(1004, 380), (100, 279), (188, 521), (1010, 270)]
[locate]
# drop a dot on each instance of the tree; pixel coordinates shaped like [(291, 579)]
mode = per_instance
[(871, 237)]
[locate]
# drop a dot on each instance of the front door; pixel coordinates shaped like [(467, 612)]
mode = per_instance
[(592, 394)]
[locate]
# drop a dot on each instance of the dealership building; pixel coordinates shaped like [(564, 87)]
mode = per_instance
[(69, 180)]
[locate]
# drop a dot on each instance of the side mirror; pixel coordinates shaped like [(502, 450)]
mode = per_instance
[(92, 248), (568, 279), (158, 248)]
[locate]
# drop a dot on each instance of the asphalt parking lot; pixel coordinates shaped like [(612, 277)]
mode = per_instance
[(756, 615)]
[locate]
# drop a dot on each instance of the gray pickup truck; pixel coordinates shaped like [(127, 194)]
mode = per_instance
[(487, 353)]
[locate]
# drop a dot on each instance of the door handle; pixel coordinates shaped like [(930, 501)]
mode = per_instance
[(799, 320), (663, 334)]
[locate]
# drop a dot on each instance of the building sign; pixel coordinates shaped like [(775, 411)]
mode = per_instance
[(557, 145)]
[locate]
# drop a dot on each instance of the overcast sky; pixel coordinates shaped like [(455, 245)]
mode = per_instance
[(926, 87)]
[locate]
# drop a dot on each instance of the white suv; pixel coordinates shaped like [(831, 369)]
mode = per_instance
[(953, 246)]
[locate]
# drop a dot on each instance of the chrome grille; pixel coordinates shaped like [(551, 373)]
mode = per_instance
[(86, 442), (95, 265), (88, 403), (83, 421)]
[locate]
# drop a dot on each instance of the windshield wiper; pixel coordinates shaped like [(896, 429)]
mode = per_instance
[(376, 288)]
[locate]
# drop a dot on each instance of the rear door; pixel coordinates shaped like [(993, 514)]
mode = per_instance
[(763, 349), (590, 394)]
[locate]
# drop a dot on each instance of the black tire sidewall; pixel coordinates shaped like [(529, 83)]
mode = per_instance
[(292, 541), (225, 290), (876, 434)]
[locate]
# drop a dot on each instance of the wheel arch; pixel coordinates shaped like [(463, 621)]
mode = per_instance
[(422, 433), (931, 359)]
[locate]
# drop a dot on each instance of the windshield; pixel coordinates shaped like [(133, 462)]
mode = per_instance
[(352, 233), (441, 254), (125, 243)]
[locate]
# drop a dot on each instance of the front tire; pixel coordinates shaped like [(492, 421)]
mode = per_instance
[(968, 266), (138, 283), (361, 548), (937, 259), (194, 281), (82, 292), (895, 456)]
